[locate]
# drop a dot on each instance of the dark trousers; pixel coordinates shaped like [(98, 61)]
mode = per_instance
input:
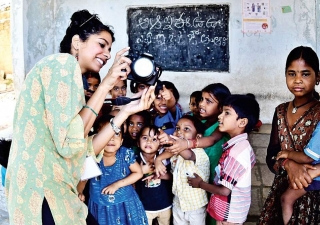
[(47, 218)]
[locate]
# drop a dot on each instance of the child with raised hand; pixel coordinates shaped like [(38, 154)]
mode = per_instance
[(166, 105), (210, 107), (113, 199), (292, 127), (189, 204), (213, 97), (231, 191), (155, 192), (134, 124)]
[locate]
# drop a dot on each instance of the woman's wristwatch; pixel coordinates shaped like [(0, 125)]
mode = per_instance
[(115, 128)]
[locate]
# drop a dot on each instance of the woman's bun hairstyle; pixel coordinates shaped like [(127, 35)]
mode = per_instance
[(83, 24)]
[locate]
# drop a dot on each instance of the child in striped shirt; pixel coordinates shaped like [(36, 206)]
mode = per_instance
[(231, 191)]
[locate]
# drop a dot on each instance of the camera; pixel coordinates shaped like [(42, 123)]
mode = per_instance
[(143, 69)]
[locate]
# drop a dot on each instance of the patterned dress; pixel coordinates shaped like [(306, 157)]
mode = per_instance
[(306, 209), (124, 206), (48, 147)]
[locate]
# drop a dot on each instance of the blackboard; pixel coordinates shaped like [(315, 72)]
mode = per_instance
[(182, 38)]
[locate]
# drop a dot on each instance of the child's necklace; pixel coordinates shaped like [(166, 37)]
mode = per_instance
[(295, 108)]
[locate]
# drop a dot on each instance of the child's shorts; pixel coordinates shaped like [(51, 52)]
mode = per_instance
[(314, 186)]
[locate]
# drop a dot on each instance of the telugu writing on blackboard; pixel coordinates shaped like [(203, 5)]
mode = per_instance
[(182, 38)]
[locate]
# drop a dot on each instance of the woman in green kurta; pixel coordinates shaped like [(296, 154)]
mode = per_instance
[(52, 121)]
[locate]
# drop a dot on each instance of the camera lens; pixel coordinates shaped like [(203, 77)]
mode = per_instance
[(144, 70), (143, 67)]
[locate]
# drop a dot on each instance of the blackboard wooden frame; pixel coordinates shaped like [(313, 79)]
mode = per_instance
[(182, 38)]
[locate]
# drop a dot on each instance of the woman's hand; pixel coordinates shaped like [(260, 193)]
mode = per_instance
[(147, 97), (298, 174), (118, 71), (101, 139)]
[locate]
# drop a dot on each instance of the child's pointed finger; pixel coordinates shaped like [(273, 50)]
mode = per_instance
[(160, 130), (163, 137), (150, 97)]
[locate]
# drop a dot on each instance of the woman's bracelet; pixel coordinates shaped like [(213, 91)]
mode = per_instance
[(88, 107), (114, 127)]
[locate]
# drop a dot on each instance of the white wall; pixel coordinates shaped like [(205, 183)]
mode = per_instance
[(257, 61)]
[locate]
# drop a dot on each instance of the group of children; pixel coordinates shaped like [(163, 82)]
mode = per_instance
[(167, 167)]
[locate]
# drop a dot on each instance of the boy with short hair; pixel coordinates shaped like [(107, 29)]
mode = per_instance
[(231, 191)]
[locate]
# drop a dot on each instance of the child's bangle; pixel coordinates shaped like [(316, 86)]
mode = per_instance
[(194, 143), (88, 107), (283, 163)]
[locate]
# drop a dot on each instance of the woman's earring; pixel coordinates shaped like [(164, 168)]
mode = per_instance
[(77, 56), (317, 83)]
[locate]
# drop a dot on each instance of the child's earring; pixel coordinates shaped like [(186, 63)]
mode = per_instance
[(77, 54)]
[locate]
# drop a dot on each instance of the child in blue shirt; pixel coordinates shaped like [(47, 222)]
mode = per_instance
[(167, 107)]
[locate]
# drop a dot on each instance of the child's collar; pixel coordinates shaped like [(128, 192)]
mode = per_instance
[(234, 140)]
